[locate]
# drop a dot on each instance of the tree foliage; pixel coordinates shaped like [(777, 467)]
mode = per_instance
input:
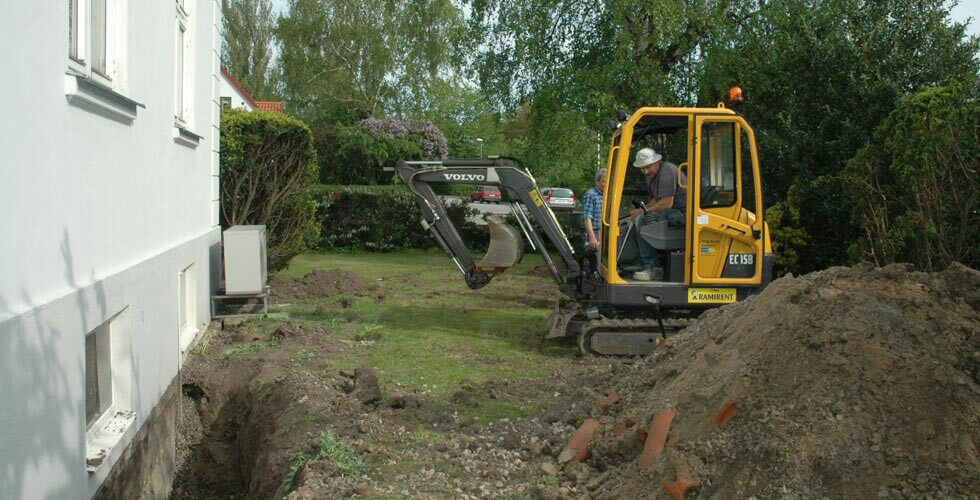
[(349, 59), (268, 167), (247, 42), (915, 187), (820, 76), (359, 153)]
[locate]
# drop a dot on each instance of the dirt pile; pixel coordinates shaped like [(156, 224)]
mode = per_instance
[(318, 284), (846, 383)]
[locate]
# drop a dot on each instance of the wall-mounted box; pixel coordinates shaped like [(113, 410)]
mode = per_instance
[(245, 260)]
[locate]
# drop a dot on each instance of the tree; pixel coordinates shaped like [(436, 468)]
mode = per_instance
[(247, 38), (915, 187), (268, 168), (601, 54), (820, 76), (562, 69), (344, 60)]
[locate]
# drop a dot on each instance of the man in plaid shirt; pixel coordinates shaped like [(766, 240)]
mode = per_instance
[(592, 215)]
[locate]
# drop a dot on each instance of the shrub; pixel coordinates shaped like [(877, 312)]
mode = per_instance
[(268, 167), (914, 188), (359, 153), (383, 219)]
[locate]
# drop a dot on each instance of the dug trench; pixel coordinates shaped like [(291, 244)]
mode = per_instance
[(847, 383)]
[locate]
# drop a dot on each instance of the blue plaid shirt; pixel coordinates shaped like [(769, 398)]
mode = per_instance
[(592, 209)]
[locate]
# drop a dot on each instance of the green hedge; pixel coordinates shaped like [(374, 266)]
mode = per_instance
[(386, 219), (383, 219), (268, 169)]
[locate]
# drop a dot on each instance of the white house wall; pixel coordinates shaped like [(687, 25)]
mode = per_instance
[(99, 216)]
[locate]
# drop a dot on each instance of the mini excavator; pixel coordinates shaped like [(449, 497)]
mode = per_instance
[(722, 255)]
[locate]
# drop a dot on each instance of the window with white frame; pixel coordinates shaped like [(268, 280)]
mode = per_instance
[(95, 39), (108, 387), (98, 376), (183, 65), (186, 307)]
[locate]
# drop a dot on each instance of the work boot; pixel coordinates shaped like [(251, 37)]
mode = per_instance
[(649, 274)]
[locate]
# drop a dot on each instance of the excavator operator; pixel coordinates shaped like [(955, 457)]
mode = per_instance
[(668, 201)]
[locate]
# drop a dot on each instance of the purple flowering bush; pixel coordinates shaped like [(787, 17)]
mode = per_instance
[(432, 141), (360, 152)]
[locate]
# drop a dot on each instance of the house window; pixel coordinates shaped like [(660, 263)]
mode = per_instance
[(183, 88), (73, 35), (225, 103), (186, 307), (99, 37), (108, 388), (98, 377), (96, 33)]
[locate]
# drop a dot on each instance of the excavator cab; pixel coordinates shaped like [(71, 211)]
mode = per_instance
[(722, 241)]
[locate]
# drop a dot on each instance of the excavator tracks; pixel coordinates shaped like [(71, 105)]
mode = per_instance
[(624, 338)]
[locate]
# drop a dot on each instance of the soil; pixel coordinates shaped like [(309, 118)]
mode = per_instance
[(854, 382), (320, 284)]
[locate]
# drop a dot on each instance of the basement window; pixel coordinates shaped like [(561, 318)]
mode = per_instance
[(186, 307), (108, 389)]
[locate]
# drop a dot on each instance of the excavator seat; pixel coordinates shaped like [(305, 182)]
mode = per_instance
[(662, 237), (506, 246)]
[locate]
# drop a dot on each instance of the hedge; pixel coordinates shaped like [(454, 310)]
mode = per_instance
[(386, 219)]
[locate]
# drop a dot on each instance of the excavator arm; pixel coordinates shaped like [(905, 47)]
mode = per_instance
[(510, 174)]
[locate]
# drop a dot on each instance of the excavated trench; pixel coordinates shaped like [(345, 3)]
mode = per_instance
[(227, 444)]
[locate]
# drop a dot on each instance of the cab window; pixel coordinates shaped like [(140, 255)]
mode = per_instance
[(718, 169)]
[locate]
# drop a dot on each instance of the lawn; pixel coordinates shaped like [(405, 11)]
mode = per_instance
[(430, 331)]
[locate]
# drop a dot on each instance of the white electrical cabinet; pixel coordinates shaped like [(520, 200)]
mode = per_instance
[(245, 260)]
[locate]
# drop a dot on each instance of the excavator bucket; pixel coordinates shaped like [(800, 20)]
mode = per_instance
[(506, 246)]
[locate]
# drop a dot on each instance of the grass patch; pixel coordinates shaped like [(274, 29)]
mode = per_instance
[(247, 349), (492, 410), (302, 357), (431, 332), (342, 454)]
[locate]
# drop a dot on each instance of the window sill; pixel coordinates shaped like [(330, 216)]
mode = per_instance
[(90, 95), (104, 436), (184, 136), (186, 338)]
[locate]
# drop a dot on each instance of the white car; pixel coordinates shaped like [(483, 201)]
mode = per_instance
[(559, 197)]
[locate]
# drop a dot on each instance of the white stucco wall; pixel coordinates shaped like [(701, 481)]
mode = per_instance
[(227, 89), (99, 216)]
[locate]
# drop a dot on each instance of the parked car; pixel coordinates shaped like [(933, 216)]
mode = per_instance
[(559, 197), (486, 194)]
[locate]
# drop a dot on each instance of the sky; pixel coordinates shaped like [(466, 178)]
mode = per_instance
[(968, 8)]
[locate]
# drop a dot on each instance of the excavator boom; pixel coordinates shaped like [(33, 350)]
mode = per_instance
[(507, 173)]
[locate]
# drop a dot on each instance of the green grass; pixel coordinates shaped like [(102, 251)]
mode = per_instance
[(340, 453), (431, 331), (247, 349)]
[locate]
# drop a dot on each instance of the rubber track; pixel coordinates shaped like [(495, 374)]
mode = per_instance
[(645, 325)]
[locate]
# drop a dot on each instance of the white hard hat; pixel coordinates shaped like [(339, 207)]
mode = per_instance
[(646, 156)]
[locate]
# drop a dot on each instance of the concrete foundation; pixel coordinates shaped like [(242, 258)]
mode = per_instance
[(147, 466)]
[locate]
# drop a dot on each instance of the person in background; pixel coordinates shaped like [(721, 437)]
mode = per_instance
[(592, 216), (668, 201)]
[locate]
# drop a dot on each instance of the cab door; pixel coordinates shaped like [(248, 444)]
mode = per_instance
[(727, 236)]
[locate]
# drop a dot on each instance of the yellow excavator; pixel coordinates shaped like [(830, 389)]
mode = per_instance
[(721, 255)]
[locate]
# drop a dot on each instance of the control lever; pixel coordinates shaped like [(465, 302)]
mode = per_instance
[(639, 204)]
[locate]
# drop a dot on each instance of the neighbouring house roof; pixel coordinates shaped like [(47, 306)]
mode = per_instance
[(273, 106), (238, 87)]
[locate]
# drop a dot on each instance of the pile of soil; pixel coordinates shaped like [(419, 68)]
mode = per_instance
[(845, 383), (318, 284)]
